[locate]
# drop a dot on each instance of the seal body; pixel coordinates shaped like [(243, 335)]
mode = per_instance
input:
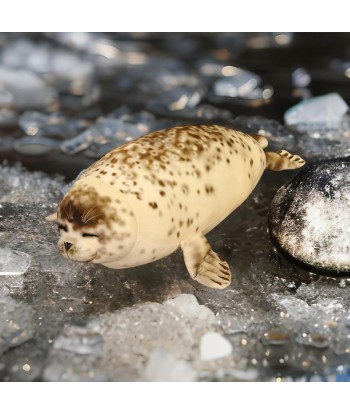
[(145, 199)]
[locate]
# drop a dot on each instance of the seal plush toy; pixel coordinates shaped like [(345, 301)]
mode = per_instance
[(145, 199)]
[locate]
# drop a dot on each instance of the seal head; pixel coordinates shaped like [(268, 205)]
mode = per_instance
[(95, 222)]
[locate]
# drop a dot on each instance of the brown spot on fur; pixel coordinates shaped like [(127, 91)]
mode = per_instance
[(185, 189), (209, 188)]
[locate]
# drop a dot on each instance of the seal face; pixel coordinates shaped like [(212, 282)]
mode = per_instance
[(92, 226), (166, 190)]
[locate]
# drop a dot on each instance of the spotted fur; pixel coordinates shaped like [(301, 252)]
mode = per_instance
[(145, 199)]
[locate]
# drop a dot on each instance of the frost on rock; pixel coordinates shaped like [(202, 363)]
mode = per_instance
[(13, 262), (325, 110), (310, 216)]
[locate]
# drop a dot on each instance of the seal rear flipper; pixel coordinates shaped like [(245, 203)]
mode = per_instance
[(204, 265), (283, 160)]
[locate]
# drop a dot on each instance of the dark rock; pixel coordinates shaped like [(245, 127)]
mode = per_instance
[(309, 217)]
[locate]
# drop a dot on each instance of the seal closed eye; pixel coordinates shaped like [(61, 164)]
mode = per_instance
[(164, 191)]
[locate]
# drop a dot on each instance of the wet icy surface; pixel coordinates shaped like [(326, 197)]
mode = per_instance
[(73, 321), (67, 98)]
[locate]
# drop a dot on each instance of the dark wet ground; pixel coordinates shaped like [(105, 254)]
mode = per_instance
[(70, 321)]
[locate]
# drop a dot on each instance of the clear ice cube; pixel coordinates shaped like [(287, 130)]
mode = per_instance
[(13, 262), (23, 89), (326, 109), (237, 83)]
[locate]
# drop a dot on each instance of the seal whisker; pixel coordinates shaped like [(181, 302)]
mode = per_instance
[(71, 211), (88, 212), (93, 217)]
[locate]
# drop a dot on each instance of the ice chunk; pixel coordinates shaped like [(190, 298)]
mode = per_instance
[(163, 367), (158, 77), (13, 262), (177, 99), (8, 117), (187, 305), (53, 64), (16, 323), (19, 186), (31, 121), (81, 41), (75, 356), (214, 346), (79, 340), (23, 89), (52, 125), (210, 68), (340, 340), (201, 112), (326, 109), (296, 308), (35, 146), (110, 132), (236, 83)]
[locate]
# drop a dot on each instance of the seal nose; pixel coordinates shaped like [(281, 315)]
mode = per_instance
[(67, 246)]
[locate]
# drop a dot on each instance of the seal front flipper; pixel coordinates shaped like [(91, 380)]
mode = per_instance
[(283, 160), (204, 265)]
